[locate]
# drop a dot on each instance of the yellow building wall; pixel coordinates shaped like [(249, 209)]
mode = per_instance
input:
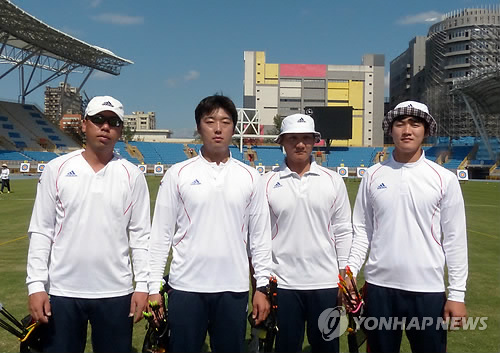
[(342, 94), (356, 94), (338, 94), (338, 85), (272, 71), (271, 74), (357, 113), (260, 67), (338, 91)]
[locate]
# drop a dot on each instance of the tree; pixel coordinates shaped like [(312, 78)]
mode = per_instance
[(277, 120), (128, 133)]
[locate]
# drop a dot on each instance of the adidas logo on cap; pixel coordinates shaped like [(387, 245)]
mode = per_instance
[(108, 103), (301, 120)]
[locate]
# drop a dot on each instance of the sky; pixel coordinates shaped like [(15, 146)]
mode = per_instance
[(186, 50)]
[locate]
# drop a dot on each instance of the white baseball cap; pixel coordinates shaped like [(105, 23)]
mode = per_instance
[(298, 124), (102, 103)]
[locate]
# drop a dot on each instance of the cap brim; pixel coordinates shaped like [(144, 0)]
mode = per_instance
[(317, 135), (98, 111)]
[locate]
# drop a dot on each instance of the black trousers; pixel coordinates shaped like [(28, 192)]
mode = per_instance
[(108, 317), (191, 315), (298, 307), (388, 311), (5, 182)]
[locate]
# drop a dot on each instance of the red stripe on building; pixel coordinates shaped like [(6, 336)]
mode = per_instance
[(302, 70)]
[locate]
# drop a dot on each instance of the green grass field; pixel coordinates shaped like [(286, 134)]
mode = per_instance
[(482, 201)]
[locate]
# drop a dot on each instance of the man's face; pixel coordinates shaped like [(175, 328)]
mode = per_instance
[(102, 136), (216, 130), (408, 134), (298, 147)]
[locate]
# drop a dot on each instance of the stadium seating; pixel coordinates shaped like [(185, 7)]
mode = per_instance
[(165, 153), (235, 152), (13, 156), (23, 126), (268, 155), (458, 154), (121, 149), (351, 156), (433, 152), (40, 155), (483, 154)]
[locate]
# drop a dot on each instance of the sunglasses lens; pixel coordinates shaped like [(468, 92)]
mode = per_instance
[(116, 122), (99, 120)]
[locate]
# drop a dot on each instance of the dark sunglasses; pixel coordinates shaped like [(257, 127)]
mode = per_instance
[(99, 120)]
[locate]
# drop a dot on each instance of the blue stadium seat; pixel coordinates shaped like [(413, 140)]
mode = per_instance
[(11, 156), (121, 149), (31, 125), (351, 156), (40, 156), (14, 135), (20, 144), (268, 155)]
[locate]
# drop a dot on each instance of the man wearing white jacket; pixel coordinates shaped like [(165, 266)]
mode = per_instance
[(409, 215), (91, 211), (209, 213), (312, 235)]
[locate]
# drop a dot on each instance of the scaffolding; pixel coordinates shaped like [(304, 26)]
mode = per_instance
[(462, 75)]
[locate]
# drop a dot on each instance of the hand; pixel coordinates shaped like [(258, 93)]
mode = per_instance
[(261, 307), (456, 313), (39, 307), (138, 304), (340, 294), (155, 298), (351, 303)]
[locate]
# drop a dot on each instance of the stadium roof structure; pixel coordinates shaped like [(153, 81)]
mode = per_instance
[(483, 87), (25, 40), (480, 92)]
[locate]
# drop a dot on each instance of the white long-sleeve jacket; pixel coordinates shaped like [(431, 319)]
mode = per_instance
[(83, 226), (311, 226), (206, 213), (411, 219)]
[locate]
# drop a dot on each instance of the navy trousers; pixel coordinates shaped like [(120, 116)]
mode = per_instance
[(191, 315), (5, 182), (108, 317), (295, 309), (420, 312)]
